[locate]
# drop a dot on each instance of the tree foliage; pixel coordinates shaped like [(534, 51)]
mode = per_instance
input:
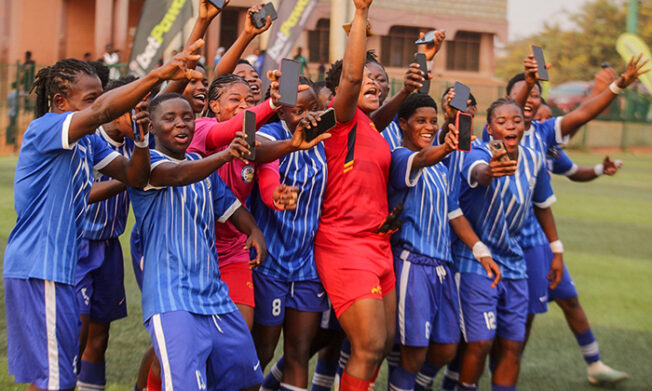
[(576, 54)]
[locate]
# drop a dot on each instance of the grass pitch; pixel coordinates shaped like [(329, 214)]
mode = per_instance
[(606, 227)]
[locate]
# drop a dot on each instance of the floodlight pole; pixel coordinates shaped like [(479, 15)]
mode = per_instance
[(632, 16)]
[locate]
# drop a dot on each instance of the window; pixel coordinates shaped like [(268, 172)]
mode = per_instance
[(398, 48), (463, 53), (318, 42)]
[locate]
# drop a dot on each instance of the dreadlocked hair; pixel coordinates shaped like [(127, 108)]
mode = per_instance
[(217, 88), (501, 102), (56, 79)]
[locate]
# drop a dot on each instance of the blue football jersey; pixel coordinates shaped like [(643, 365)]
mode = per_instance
[(498, 212), (51, 187), (559, 162), (177, 228), (107, 219), (427, 206), (393, 134), (290, 234)]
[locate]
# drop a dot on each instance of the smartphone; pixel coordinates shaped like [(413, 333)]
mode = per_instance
[(420, 58), (249, 128), (428, 38), (289, 85), (134, 126), (219, 4), (605, 65), (464, 125), (497, 146), (259, 19), (326, 123), (462, 93), (542, 70)]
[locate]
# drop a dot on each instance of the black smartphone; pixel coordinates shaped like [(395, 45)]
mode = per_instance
[(605, 65), (542, 70), (259, 19), (289, 84), (249, 128), (462, 93), (326, 123), (464, 125), (134, 126), (219, 4), (429, 37), (420, 58), (497, 146)]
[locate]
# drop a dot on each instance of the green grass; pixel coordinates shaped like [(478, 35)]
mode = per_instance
[(606, 227)]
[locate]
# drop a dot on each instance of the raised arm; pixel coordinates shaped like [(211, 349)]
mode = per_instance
[(589, 173), (346, 99), (433, 154), (411, 82), (485, 173), (118, 101), (104, 190)]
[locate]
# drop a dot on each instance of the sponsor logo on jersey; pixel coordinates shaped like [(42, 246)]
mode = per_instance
[(247, 174)]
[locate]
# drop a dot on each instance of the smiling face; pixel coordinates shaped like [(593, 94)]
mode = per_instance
[(369, 98), (306, 102), (236, 97), (197, 91), (544, 113), (377, 72), (173, 124), (507, 124), (81, 94), (251, 76), (420, 128), (533, 100)]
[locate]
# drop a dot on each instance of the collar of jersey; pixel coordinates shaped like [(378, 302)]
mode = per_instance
[(170, 157), (108, 138)]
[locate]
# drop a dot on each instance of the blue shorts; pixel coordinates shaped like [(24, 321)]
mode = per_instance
[(539, 260), (486, 311), (43, 328), (274, 296), (136, 247), (428, 306), (204, 352), (100, 280)]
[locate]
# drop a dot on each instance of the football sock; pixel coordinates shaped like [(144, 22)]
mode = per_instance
[(424, 377), (324, 375), (402, 379), (589, 346), (91, 376), (273, 379)]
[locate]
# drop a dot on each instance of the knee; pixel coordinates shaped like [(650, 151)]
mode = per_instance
[(368, 349), (98, 341), (297, 351), (480, 348)]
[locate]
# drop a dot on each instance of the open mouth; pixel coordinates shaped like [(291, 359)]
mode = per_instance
[(200, 98), (511, 139), (181, 138), (254, 88), (372, 93), (428, 136), (527, 109)]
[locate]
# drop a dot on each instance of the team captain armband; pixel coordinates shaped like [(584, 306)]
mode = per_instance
[(480, 250)]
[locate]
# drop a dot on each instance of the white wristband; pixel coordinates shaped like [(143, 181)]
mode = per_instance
[(480, 250), (142, 143), (556, 247), (598, 169), (615, 89)]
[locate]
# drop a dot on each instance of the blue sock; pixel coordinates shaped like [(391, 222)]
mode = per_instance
[(289, 387), (393, 360), (345, 353), (324, 375), (136, 388), (463, 387), (589, 346), (402, 379), (424, 377), (451, 375), (496, 387), (273, 379), (92, 376)]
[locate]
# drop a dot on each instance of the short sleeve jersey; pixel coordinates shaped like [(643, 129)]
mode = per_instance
[(559, 162), (425, 196), (355, 199), (176, 225), (290, 234), (51, 187), (498, 212), (393, 135), (107, 219), (539, 137)]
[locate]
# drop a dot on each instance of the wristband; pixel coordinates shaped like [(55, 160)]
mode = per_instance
[(557, 247), (480, 250), (615, 89), (598, 169), (273, 106), (142, 143)]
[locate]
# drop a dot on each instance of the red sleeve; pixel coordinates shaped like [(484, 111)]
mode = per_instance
[(268, 180), (222, 133)]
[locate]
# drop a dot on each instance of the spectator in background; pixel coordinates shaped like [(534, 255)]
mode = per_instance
[(27, 78), (260, 60), (218, 55), (13, 99), (111, 58), (321, 72), (302, 60), (251, 59)]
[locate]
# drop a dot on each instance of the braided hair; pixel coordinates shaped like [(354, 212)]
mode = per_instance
[(57, 79), (217, 88), (501, 102)]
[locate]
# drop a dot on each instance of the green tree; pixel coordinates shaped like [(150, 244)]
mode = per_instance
[(576, 54)]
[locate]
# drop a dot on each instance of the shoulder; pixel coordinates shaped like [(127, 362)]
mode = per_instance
[(274, 131)]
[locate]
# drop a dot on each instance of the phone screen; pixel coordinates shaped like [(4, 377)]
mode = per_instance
[(249, 128), (464, 127), (134, 126), (289, 82), (462, 93), (326, 123), (537, 52), (423, 66)]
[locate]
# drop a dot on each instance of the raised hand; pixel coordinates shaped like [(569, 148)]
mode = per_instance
[(238, 149), (176, 68), (209, 11), (498, 168), (362, 4), (299, 141), (602, 79), (142, 119), (451, 112), (285, 197), (492, 269), (249, 27), (634, 70), (413, 78), (451, 139), (432, 48), (274, 77), (610, 167)]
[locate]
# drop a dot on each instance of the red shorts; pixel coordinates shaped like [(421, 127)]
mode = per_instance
[(347, 281), (237, 277)]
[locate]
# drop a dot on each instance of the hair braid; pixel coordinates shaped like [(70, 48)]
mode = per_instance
[(57, 79)]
